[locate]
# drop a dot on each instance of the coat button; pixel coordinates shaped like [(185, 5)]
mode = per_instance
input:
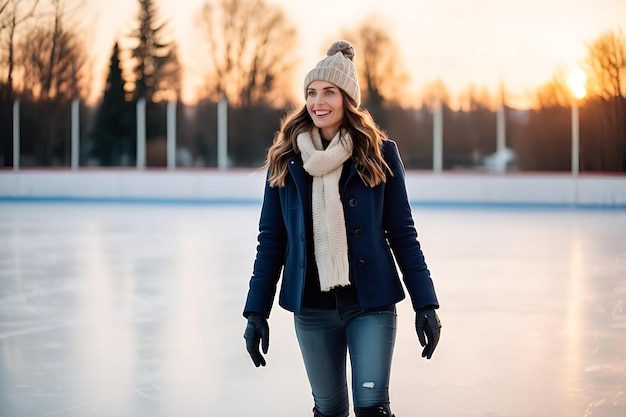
[(360, 263), (352, 202), (302, 266), (358, 233)]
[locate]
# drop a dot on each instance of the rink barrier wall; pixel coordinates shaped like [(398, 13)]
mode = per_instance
[(246, 187)]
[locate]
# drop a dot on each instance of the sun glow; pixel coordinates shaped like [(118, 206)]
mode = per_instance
[(576, 82)]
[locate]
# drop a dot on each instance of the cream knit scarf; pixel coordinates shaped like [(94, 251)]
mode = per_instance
[(329, 228)]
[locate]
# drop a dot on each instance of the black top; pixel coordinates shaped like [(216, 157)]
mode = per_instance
[(314, 297)]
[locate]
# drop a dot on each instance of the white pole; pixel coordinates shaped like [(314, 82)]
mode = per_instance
[(500, 129), (16, 135), (141, 133), (500, 137), (171, 135), (438, 139), (75, 134), (222, 133), (575, 140)]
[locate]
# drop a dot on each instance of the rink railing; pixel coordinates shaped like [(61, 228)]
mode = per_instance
[(237, 186), (178, 185), (499, 159)]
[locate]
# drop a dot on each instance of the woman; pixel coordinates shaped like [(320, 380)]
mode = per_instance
[(335, 209)]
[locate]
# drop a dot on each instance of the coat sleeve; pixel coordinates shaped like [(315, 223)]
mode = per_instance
[(402, 235), (270, 255)]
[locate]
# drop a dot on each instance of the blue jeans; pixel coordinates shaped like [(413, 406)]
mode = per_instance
[(326, 335)]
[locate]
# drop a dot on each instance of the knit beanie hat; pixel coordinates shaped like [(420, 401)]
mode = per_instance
[(337, 68)]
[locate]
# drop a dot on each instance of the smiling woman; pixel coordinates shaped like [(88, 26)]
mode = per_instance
[(324, 102), (336, 204)]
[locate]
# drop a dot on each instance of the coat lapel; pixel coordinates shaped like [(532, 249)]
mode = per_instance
[(349, 175), (297, 173)]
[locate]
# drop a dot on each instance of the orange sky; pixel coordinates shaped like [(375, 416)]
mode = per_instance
[(461, 42)]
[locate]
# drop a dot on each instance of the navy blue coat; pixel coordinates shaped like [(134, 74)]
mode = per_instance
[(378, 222)]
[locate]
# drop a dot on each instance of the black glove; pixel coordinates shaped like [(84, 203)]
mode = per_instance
[(257, 331), (428, 329)]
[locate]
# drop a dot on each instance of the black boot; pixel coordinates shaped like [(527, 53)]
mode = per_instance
[(318, 414), (376, 411)]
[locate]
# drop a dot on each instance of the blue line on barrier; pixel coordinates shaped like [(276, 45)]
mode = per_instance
[(252, 201), (526, 205), (133, 200)]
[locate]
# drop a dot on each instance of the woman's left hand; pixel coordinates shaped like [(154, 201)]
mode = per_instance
[(428, 329)]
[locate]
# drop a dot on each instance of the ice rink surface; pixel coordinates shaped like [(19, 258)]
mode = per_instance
[(134, 310)]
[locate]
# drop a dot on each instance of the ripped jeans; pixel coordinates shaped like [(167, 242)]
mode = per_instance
[(326, 335)]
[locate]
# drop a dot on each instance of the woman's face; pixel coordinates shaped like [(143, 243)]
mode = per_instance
[(324, 102)]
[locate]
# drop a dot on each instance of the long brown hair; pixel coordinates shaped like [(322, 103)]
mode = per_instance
[(367, 140)]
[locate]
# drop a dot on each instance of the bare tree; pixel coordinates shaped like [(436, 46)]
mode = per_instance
[(476, 98), (250, 45), (13, 13), (434, 94), (53, 56), (51, 70), (12, 10), (606, 62), (382, 72), (555, 92)]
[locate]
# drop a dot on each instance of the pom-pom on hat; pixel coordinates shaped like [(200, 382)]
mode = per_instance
[(337, 68)]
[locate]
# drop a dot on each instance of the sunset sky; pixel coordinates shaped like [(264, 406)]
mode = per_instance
[(482, 42)]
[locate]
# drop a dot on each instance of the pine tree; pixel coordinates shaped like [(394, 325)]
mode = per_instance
[(156, 59), (113, 139)]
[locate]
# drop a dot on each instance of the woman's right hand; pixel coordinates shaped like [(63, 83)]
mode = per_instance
[(257, 332)]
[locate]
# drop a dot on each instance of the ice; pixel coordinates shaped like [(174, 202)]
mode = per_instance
[(135, 310)]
